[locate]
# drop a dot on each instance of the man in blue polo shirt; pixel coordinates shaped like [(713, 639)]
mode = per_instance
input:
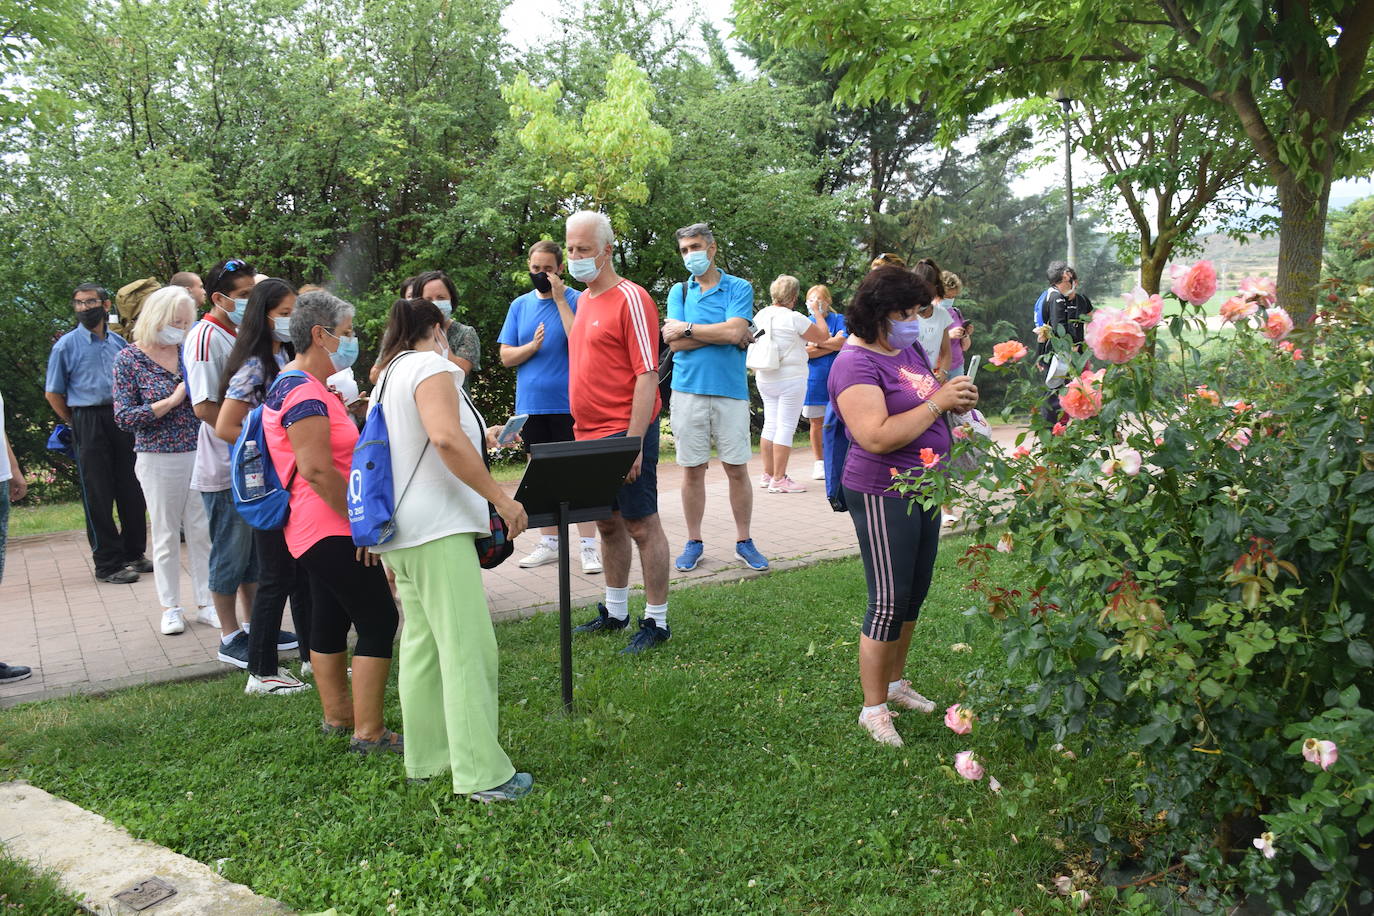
[(708, 329), (534, 342), (80, 388)]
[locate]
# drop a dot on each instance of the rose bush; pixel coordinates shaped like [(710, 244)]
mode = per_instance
[(1201, 595)]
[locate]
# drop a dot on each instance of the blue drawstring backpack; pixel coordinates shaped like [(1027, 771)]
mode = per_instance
[(269, 511), (836, 439), (371, 489)]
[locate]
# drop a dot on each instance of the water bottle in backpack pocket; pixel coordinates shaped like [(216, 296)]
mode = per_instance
[(259, 496)]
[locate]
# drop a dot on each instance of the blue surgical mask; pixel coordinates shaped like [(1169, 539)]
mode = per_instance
[(698, 262), (281, 329), (170, 336), (236, 316), (343, 357), (902, 334), (445, 307), (583, 270)]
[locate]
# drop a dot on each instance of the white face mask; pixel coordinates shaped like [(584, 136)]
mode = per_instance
[(441, 344), (170, 336), (281, 329), (445, 307), (583, 270)]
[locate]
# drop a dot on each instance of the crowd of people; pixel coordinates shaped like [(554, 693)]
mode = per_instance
[(153, 418)]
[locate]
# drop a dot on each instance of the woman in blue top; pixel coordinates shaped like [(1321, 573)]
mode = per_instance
[(821, 356)]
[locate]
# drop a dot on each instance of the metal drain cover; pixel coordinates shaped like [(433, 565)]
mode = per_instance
[(146, 893)]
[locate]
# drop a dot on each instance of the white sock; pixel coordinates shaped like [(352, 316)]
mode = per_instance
[(658, 613), (243, 627), (225, 640), (618, 602), (871, 710), (550, 541), (589, 542), (893, 686)]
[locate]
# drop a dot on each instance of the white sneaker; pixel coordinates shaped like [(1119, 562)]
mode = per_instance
[(879, 725), (280, 683), (206, 614), (818, 471), (542, 554), (173, 622), (903, 695), (591, 559), (949, 519), (307, 669)]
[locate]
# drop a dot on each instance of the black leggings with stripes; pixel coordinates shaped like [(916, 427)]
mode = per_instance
[(898, 541)]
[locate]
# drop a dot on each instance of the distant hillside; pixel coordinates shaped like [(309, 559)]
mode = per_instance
[(1255, 256)]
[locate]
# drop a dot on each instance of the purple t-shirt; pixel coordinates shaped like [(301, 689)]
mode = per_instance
[(956, 345), (907, 381)]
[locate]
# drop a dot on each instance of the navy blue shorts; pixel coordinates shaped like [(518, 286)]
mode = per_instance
[(640, 499)]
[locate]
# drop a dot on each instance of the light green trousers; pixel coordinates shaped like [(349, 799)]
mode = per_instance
[(448, 665)]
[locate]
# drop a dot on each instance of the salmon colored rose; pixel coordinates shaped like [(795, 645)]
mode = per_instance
[(929, 458), (1143, 308), (1194, 284), (1237, 308), (1259, 289), (1083, 396), (1007, 352), (1277, 324), (1113, 337)]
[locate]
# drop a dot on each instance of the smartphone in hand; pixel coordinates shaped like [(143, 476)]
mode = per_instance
[(512, 429), (972, 372)]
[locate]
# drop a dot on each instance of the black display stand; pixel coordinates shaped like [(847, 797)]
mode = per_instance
[(566, 483)]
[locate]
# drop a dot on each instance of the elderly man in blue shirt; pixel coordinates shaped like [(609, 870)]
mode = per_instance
[(80, 388), (708, 328)]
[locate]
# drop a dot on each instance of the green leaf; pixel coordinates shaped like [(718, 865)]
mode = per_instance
[(1361, 653)]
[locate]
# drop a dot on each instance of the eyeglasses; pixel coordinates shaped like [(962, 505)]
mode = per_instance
[(85, 303)]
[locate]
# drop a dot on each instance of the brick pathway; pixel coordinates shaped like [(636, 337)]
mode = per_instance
[(80, 635)]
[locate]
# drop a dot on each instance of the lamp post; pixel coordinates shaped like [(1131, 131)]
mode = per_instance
[(1066, 101)]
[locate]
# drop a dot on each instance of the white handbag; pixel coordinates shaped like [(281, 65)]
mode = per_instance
[(763, 353)]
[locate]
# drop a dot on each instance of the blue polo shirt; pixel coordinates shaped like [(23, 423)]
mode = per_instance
[(541, 382), (818, 369), (717, 369), (82, 367)]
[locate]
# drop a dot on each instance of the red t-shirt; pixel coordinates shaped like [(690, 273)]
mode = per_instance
[(613, 341)]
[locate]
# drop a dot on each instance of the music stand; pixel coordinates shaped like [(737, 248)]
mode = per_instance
[(565, 483)]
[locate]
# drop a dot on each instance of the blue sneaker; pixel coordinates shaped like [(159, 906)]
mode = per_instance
[(517, 787), (286, 640), (691, 556), (650, 634), (747, 552)]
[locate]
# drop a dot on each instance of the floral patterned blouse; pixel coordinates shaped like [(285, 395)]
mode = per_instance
[(138, 383)]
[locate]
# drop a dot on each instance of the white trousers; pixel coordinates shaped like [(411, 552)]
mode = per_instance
[(173, 508), (782, 406)]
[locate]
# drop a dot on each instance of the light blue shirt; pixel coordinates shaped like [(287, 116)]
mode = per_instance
[(541, 382), (717, 369), (82, 367)]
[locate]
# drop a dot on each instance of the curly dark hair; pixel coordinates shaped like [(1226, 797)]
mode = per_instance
[(885, 290)]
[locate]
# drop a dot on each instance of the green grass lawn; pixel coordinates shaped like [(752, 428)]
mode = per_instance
[(723, 772), (25, 890), (45, 519)]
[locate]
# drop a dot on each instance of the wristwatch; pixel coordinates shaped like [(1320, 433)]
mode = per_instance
[(688, 331)]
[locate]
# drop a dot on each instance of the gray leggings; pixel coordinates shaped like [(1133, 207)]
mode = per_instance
[(898, 548)]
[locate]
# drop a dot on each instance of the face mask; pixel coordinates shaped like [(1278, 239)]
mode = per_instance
[(170, 336), (343, 357), (445, 307), (698, 262), (583, 270), (903, 334), (541, 281), (441, 345), (281, 329), (240, 306), (91, 318)]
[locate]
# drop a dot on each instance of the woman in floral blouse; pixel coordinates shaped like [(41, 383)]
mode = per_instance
[(150, 402)]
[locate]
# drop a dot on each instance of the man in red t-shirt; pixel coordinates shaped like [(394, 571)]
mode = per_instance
[(613, 391)]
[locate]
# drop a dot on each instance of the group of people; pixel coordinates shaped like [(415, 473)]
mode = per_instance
[(153, 421)]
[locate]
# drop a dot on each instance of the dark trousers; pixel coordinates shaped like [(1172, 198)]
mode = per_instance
[(105, 461), (279, 577), (344, 593)]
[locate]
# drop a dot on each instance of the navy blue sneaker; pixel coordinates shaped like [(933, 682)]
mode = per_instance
[(650, 634), (747, 552), (286, 640), (603, 622), (235, 651), (691, 556)]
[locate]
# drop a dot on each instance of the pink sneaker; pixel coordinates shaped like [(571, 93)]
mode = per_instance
[(785, 484), (879, 725), (907, 698), (765, 481)]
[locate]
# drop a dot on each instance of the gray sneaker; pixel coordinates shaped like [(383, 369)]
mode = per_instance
[(518, 786)]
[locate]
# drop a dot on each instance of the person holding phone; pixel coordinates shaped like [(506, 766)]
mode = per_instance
[(961, 329)]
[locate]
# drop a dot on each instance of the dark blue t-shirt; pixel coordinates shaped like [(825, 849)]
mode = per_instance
[(818, 369)]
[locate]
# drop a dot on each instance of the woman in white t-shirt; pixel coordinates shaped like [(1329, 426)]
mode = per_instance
[(783, 389), (935, 320), (442, 487)]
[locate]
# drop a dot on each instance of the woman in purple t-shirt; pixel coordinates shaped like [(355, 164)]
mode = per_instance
[(887, 395)]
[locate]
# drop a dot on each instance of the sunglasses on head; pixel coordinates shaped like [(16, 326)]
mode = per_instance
[(234, 264)]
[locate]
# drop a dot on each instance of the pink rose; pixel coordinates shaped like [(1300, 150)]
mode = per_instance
[(1007, 352), (1143, 308), (1259, 289), (1022, 451), (1083, 396), (960, 432), (1194, 284), (1322, 753), (1236, 308), (959, 720), (1113, 337), (1277, 324), (929, 458), (1239, 439), (1265, 844), (1004, 543), (967, 767), (1059, 428)]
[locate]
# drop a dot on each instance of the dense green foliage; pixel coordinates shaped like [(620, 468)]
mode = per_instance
[(1350, 243)]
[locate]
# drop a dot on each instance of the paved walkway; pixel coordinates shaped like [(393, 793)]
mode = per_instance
[(83, 636)]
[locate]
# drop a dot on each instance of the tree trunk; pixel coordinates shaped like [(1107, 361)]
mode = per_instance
[(1302, 229), (1152, 268)]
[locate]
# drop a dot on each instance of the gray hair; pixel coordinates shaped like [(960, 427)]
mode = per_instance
[(605, 235), (317, 307), (1056, 271), (697, 231), (784, 290)]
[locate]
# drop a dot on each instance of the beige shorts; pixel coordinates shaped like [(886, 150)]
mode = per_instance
[(813, 411), (699, 420)]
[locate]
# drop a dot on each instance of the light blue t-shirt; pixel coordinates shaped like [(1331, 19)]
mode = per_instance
[(541, 382), (717, 369), (82, 367)]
